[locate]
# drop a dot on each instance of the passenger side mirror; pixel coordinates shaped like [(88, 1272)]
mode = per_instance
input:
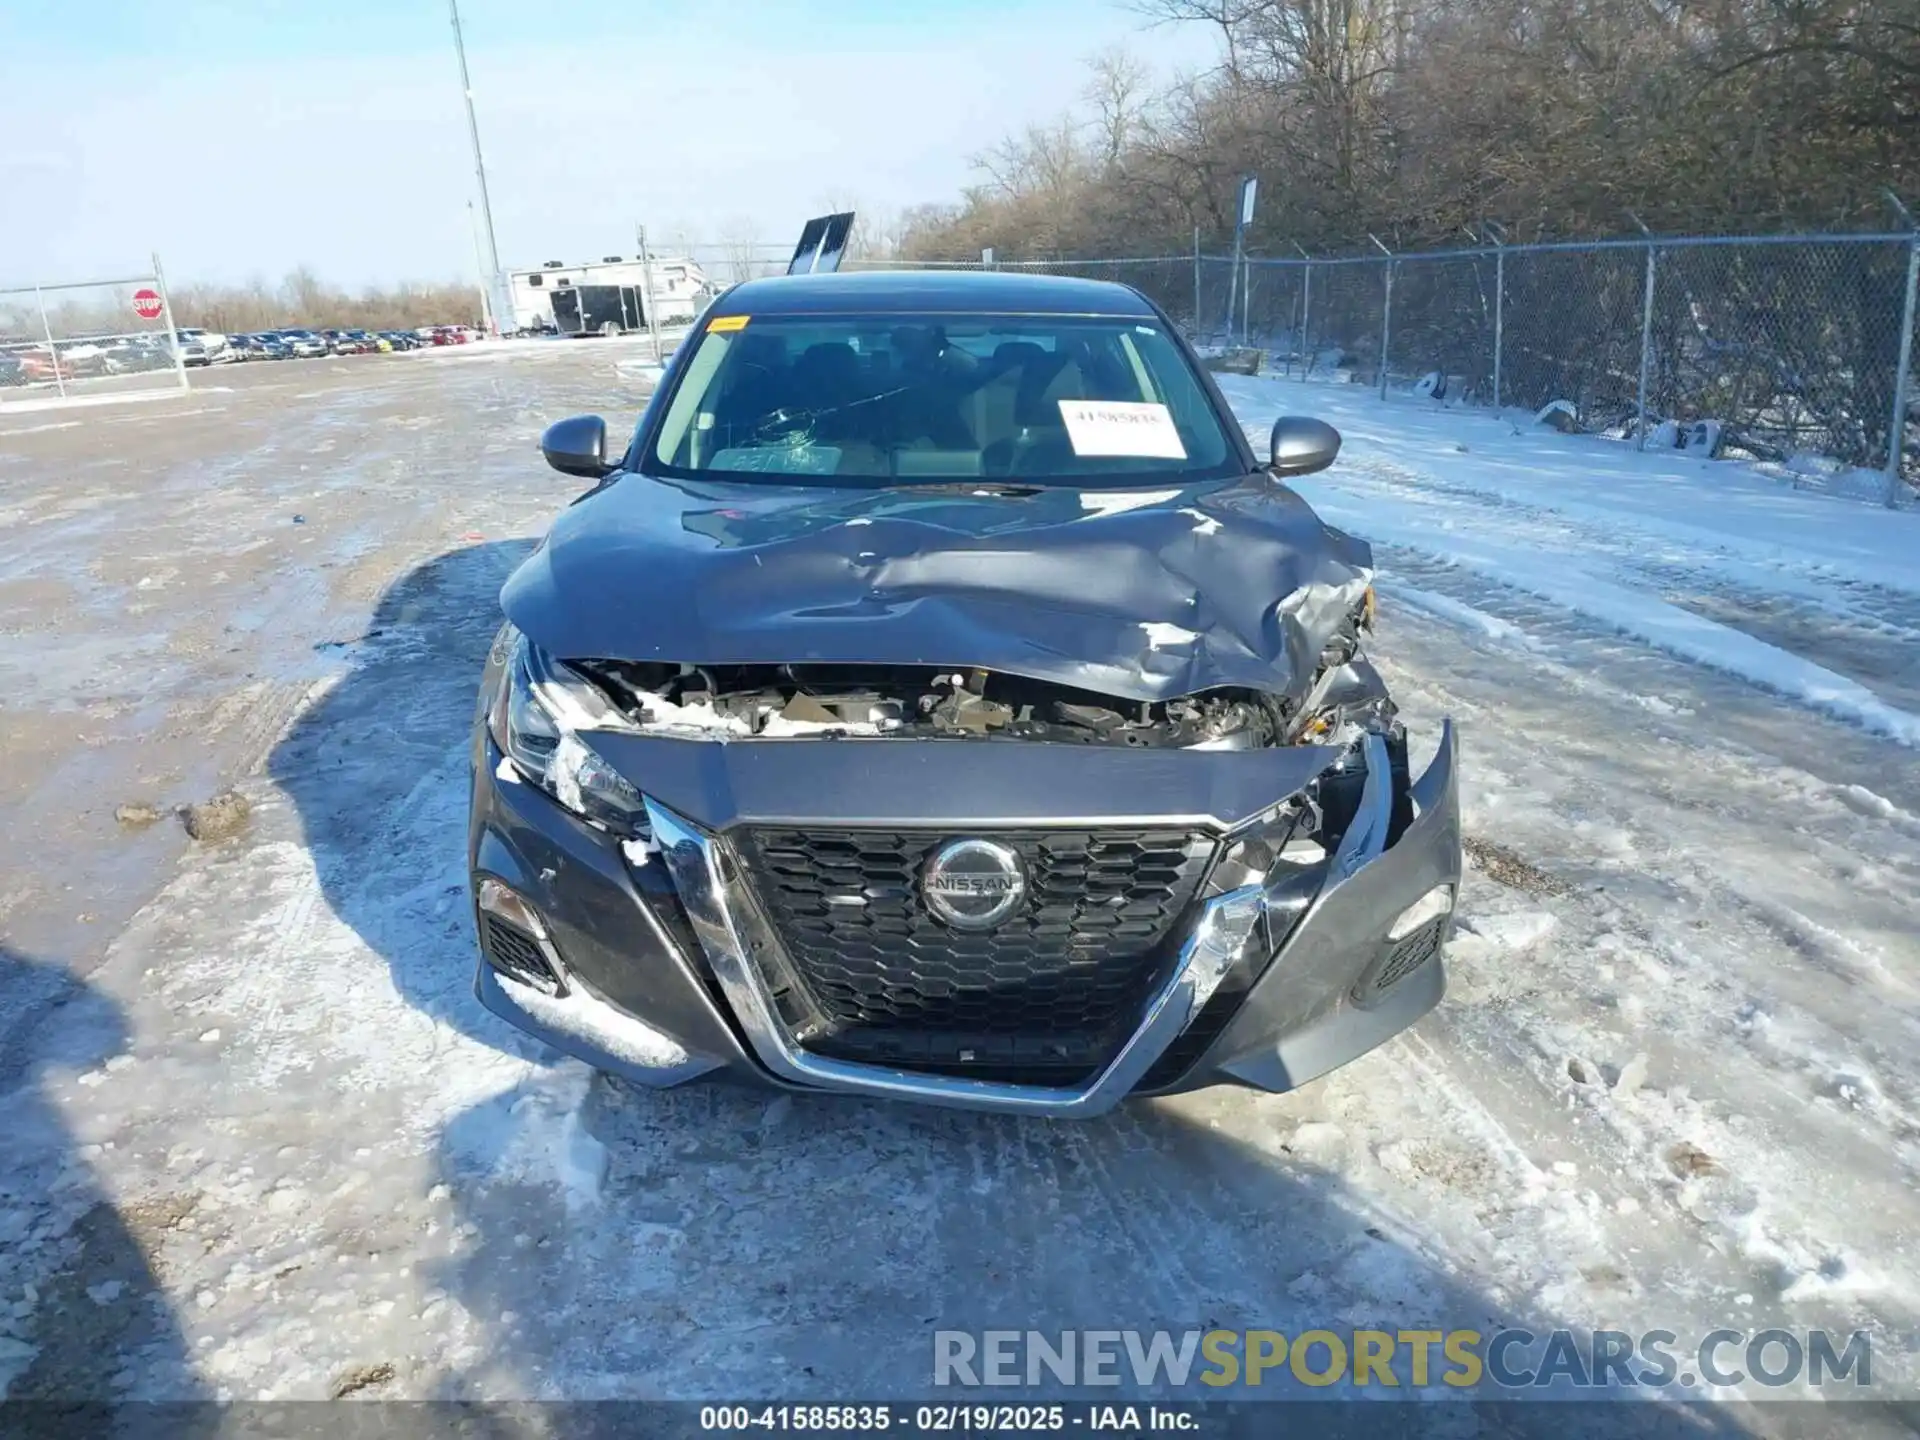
[(577, 446), (1302, 446)]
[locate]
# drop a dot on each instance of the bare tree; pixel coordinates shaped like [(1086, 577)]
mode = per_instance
[(1411, 118)]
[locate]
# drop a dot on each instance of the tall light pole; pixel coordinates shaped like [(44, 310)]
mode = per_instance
[(492, 257), (480, 264)]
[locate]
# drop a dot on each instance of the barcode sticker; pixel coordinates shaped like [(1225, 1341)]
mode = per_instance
[(1121, 427)]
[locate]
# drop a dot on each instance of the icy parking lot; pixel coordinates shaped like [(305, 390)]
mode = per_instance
[(262, 1142)]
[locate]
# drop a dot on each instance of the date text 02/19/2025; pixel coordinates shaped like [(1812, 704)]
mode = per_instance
[(946, 1419)]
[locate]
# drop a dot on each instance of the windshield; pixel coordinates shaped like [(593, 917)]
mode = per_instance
[(1045, 399)]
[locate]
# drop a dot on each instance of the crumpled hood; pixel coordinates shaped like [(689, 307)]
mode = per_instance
[(1147, 594)]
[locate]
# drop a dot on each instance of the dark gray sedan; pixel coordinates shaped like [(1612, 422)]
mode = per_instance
[(937, 699)]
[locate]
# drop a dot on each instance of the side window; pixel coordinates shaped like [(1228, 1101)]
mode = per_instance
[(536, 281)]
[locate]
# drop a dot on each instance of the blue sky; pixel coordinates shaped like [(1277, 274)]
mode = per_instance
[(244, 137)]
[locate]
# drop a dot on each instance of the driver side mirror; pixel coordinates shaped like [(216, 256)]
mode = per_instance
[(578, 446), (1302, 446)]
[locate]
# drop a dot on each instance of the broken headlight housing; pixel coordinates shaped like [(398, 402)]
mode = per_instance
[(1279, 856), (543, 720)]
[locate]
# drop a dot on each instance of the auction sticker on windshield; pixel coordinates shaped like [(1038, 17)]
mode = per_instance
[(1121, 427)]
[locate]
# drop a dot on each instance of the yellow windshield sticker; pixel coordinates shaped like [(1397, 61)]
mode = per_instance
[(720, 324)]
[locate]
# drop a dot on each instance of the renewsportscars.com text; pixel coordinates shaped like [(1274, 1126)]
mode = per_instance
[(1512, 1359)]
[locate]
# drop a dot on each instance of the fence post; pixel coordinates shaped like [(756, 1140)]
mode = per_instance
[(1386, 316), (646, 279), (1306, 310), (1246, 303), (1646, 341), (166, 319), (1196, 281), (1233, 292), (53, 350), (1499, 238), (1897, 426)]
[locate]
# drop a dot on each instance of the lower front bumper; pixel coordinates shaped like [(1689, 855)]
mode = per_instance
[(658, 987)]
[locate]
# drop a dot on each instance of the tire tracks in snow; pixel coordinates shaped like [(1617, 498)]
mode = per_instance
[(1683, 941)]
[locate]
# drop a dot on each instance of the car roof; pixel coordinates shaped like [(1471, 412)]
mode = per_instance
[(986, 292)]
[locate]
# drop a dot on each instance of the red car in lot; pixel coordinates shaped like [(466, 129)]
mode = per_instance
[(42, 364)]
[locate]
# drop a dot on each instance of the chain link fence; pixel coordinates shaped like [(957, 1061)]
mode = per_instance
[(1791, 346), (64, 341)]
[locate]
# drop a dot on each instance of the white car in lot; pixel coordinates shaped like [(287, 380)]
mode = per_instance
[(306, 344), (213, 347)]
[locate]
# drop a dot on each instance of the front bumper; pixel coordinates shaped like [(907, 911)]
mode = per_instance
[(655, 949)]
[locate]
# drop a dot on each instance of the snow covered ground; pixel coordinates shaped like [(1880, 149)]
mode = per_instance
[(265, 1144)]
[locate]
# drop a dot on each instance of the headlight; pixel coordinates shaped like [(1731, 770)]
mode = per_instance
[(1276, 857), (1272, 846), (543, 722)]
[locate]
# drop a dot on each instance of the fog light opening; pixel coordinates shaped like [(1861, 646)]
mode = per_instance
[(497, 899), (1431, 906), (515, 941)]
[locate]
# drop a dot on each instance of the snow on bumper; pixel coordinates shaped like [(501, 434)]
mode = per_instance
[(658, 1000)]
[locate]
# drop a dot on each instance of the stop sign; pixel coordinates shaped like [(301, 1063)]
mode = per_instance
[(146, 304)]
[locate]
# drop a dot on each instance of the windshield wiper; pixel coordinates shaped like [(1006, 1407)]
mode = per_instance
[(999, 489)]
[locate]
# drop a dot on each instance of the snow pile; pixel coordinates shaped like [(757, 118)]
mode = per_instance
[(1603, 532)]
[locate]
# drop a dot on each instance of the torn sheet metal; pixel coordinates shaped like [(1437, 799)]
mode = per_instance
[(1155, 595)]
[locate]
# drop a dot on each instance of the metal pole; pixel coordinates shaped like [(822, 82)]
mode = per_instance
[(166, 318), (1646, 338), (1233, 285), (1306, 312), (53, 351), (1386, 316), (1499, 317), (1196, 281), (1293, 335), (480, 268), (479, 165), (1903, 370), (1498, 236), (646, 271), (1246, 304), (1646, 351), (1897, 428)]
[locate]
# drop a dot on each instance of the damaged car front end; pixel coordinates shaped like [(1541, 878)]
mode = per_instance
[(869, 729)]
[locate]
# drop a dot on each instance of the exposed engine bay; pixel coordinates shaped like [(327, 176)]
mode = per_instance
[(824, 700)]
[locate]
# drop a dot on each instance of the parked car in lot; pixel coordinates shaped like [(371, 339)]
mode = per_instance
[(212, 345), (37, 363), (13, 370), (305, 344), (400, 339), (83, 356), (1063, 779), (273, 345), (135, 354), (350, 342)]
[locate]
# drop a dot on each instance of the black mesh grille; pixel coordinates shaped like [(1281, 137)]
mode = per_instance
[(1045, 997), (1409, 953), (515, 953)]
